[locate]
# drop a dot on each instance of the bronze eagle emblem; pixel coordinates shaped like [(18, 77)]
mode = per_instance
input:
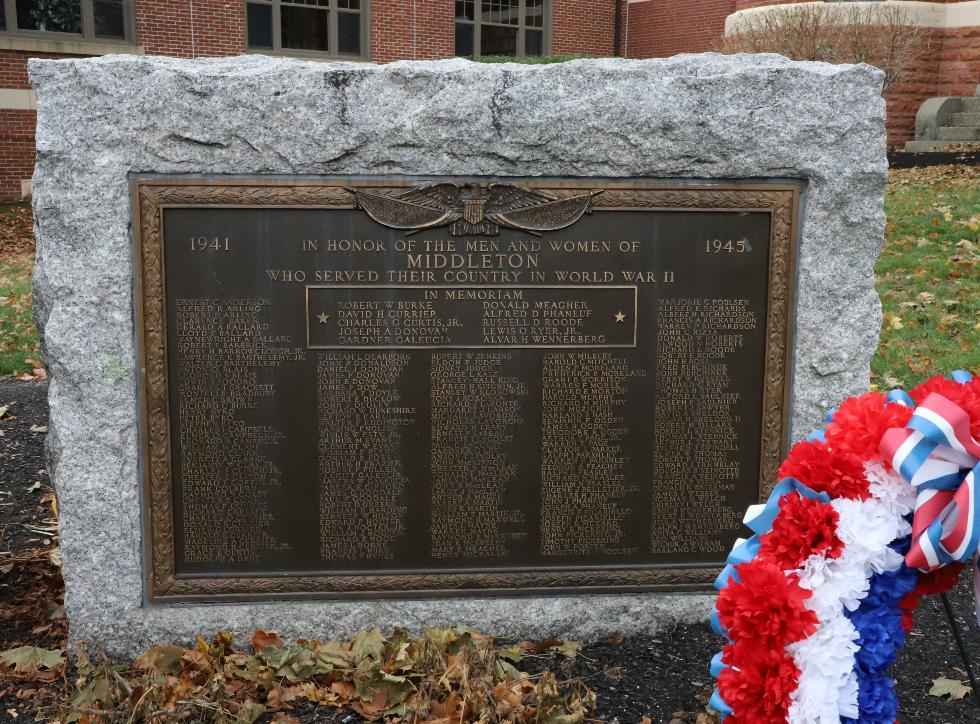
[(474, 208)]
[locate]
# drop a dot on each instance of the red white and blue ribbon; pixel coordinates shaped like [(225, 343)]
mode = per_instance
[(937, 455)]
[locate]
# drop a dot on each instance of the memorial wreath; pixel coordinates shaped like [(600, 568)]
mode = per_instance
[(870, 514)]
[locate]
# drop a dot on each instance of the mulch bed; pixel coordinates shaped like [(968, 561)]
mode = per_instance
[(968, 156), (664, 677)]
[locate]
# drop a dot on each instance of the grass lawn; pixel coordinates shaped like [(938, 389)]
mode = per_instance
[(928, 277), (18, 336)]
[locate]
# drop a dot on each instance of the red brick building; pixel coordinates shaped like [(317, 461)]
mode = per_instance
[(386, 30)]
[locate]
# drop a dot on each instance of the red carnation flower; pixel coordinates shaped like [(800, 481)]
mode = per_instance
[(759, 691), (939, 580), (967, 396), (765, 606), (824, 469), (803, 527), (908, 605), (860, 422), (928, 584)]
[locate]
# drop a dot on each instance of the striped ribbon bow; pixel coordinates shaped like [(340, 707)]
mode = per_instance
[(937, 455)]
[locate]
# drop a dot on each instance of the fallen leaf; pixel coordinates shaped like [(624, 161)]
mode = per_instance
[(949, 687), (344, 689), (39, 428), (512, 653), (161, 659), (890, 382), (614, 639), (261, 640), (368, 643), (28, 659), (893, 321), (53, 611), (371, 710), (569, 649), (35, 486)]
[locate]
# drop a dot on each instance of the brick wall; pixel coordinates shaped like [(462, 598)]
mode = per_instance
[(583, 26), (191, 28), (401, 31), (13, 67), (16, 126), (665, 27), (950, 66), (959, 68), (163, 27), (16, 151), (918, 82)]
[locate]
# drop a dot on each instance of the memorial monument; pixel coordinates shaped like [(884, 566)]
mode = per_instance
[(439, 342)]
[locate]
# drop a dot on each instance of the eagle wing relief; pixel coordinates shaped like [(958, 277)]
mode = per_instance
[(534, 211), (419, 208), (473, 209)]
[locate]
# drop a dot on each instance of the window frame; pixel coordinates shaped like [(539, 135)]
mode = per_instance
[(88, 26), (522, 27), (333, 30)]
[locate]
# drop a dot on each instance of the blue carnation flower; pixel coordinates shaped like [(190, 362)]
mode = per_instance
[(881, 634), (877, 701)]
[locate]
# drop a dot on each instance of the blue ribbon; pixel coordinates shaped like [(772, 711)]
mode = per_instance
[(759, 519), (719, 705), (900, 397)]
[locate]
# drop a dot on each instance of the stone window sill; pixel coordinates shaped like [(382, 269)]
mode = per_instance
[(307, 55), (67, 47)]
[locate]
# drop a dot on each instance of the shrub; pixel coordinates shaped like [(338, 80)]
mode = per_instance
[(880, 35)]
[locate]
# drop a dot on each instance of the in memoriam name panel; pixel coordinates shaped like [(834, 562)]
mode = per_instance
[(429, 381)]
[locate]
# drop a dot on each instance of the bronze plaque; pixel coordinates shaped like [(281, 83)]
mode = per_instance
[(434, 386)]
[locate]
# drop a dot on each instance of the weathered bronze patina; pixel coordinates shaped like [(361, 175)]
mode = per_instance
[(366, 386)]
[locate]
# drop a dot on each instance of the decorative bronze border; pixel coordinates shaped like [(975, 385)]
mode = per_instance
[(154, 194)]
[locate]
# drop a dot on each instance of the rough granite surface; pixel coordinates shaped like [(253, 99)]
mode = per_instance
[(691, 116)]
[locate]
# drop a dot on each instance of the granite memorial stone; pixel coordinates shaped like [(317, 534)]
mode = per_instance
[(401, 344)]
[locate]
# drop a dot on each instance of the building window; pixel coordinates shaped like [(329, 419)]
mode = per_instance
[(502, 27), (82, 19), (335, 27)]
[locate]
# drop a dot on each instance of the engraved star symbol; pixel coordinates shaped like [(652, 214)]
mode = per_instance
[(323, 317), (620, 317)]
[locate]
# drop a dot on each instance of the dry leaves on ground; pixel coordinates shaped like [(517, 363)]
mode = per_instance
[(447, 676)]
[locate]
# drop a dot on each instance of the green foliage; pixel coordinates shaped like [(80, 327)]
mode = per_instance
[(532, 59), (928, 277)]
